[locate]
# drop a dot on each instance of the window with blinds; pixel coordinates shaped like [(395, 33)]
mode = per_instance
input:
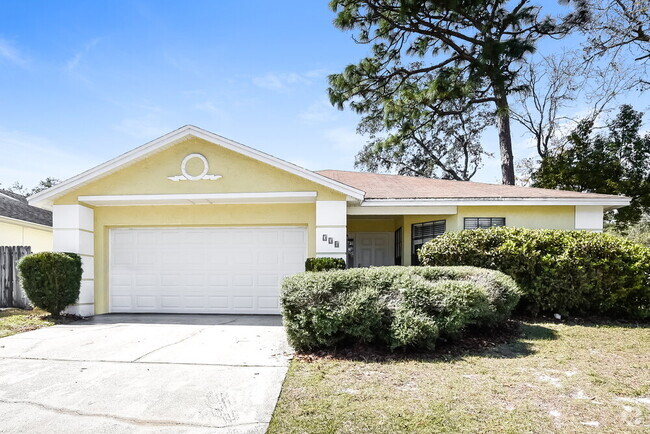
[(423, 232), (484, 222)]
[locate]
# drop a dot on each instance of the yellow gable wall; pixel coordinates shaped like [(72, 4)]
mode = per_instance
[(15, 234), (240, 174)]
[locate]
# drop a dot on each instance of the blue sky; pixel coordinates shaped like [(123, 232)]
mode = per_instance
[(84, 81)]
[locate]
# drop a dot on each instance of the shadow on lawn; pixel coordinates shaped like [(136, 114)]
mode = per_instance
[(512, 340)]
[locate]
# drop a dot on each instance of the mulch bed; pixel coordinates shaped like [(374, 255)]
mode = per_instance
[(473, 342)]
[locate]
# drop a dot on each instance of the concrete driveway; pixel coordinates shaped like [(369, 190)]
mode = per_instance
[(144, 373)]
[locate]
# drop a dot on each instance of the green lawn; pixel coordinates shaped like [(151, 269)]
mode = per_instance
[(546, 377), (14, 321)]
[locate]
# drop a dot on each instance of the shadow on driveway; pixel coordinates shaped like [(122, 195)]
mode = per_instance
[(185, 319)]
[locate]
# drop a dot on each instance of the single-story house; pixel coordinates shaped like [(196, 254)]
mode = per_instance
[(22, 224), (193, 222)]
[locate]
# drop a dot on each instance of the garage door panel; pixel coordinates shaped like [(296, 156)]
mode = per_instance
[(202, 270), (218, 302), (293, 258), (269, 302), (218, 280), (167, 301), (268, 257), (268, 280), (269, 237), (243, 302), (145, 301), (123, 257), (293, 238), (122, 301)]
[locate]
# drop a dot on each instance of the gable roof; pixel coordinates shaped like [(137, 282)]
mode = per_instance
[(384, 187), (44, 198), (15, 206)]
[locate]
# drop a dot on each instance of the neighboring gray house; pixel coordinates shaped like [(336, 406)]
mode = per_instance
[(22, 224)]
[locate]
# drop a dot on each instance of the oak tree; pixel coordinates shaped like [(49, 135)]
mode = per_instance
[(615, 162)]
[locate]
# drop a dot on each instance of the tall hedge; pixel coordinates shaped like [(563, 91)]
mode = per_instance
[(51, 280), (396, 307), (567, 272)]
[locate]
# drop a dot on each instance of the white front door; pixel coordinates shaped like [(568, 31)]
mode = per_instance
[(373, 249), (203, 270)]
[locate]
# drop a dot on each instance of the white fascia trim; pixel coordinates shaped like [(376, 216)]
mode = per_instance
[(278, 163), (200, 198), (607, 202), (44, 198), (402, 210), (20, 222)]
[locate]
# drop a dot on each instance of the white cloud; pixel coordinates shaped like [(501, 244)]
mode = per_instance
[(346, 142), (319, 112), (212, 108), (281, 81), (29, 159), (11, 54), (72, 64), (305, 163), (147, 127)]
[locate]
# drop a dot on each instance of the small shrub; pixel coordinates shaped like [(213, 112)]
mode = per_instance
[(51, 280), (396, 307), (324, 264), (577, 272)]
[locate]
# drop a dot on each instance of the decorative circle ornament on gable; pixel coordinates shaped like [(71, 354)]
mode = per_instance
[(184, 176)]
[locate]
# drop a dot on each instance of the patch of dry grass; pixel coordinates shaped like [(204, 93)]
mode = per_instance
[(14, 321), (550, 378)]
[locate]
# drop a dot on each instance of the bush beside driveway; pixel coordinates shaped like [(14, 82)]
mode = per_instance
[(393, 307)]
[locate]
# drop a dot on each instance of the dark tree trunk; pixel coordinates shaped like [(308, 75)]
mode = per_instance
[(505, 138)]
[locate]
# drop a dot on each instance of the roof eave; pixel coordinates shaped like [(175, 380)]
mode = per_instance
[(606, 202)]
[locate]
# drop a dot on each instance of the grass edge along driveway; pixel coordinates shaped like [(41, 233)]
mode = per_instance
[(13, 321)]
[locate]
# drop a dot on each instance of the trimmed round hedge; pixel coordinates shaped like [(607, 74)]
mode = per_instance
[(51, 280), (566, 272), (396, 307)]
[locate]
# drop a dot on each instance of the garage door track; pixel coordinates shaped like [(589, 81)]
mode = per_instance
[(144, 373)]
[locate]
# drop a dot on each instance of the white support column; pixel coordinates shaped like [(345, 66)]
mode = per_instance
[(331, 228), (589, 218), (73, 231)]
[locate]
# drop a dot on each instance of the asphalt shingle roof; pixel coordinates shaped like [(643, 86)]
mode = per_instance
[(379, 186), (15, 206)]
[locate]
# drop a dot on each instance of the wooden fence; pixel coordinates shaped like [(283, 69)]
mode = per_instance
[(11, 294)]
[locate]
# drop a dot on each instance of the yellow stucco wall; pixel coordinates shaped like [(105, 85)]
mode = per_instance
[(533, 217), (240, 174), (16, 234)]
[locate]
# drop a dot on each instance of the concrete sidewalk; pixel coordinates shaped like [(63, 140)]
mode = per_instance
[(144, 373)]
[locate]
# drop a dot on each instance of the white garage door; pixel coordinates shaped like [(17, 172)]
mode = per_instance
[(202, 270)]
